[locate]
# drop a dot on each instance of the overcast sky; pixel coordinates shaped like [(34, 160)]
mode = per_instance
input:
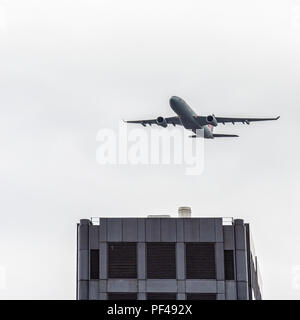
[(70, 68)]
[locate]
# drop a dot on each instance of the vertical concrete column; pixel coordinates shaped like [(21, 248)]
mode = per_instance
[(102, 296), (103, 252), (241, 260), (220, 296), (141, 257), (141, 296), (141, 229), (93, 237), (219, 254), (180, 260), (103, 260), (141, 260), (103, 230), (93, 289), (93, 245), (83, 290), (219, 230), (83, 259), (229, 244), (181, 296), (77, 262)]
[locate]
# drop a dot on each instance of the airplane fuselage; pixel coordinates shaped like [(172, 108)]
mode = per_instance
[(202, 126), (187, 117)]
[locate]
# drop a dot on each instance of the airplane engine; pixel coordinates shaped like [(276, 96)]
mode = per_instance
[(161, 121), (211, 120)]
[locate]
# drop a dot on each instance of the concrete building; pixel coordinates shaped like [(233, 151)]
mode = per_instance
[(160, 257)]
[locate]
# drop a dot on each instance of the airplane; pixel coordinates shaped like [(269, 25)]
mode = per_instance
[(187, 118)]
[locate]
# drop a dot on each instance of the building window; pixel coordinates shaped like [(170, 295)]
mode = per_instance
[(122, 260), (201, 296), (200, 261), (94, 264), (161, 296), (229, 265), (122, 296), (161, 260)]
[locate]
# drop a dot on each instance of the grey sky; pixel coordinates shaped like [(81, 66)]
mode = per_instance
[(70, 68)]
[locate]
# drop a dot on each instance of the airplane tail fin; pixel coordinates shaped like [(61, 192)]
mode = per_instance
[(220, 135)]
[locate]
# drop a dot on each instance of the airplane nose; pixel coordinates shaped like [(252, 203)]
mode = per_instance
[(173, 101)]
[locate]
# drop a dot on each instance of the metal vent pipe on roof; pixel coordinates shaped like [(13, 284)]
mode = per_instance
[(184, 212)]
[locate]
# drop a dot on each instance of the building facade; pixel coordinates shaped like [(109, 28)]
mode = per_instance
[(158, 258)]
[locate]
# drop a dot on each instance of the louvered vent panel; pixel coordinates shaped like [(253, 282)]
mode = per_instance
[(122, 260), (200, 261), (161, 260)]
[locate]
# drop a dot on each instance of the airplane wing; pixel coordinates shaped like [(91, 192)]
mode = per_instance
[(243, 120), (222, 135), (171, 120), (202, 120)]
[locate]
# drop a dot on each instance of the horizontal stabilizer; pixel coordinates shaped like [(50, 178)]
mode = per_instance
[(220, 135)]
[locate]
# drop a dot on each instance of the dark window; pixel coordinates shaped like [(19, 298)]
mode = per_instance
[(122, 260), (229, 265), (161, 296), (161, 260), (200, 261), (201, 296), (94, 264), (122, 296)]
